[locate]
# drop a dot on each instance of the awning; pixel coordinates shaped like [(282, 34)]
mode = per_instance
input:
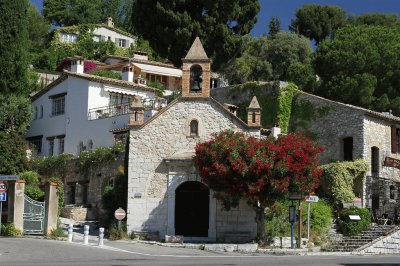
[(159, 70)]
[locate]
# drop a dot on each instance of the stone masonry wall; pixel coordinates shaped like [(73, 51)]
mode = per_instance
[(385, 245), (330, 129), (96, 180), (164, 137)]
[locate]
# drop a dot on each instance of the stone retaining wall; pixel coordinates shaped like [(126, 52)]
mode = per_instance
[(384, 245)]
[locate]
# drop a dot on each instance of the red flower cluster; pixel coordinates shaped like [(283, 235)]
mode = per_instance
[(260, 170)]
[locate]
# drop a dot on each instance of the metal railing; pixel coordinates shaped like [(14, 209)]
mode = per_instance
[(124, 108)]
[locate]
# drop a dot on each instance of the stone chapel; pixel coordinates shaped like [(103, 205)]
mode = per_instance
[(165, 194)]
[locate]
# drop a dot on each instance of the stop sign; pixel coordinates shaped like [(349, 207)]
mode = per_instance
[(119, 214), (3, 187)]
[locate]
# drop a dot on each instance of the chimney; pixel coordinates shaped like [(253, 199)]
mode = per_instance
[(110, 22), (77, 64), (137, 113), (276, 131), (127, 73)]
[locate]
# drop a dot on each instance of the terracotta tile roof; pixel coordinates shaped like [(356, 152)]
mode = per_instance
[(66, 74), (142, 61), (122, 83), (364, 110)]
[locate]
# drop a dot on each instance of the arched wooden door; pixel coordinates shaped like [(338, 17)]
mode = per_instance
[(192, 204)]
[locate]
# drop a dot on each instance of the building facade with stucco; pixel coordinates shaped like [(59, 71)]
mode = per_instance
[(165, 194)]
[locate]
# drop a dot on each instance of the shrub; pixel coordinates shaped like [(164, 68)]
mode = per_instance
[(277, 219), (9, 229), (352, 228), (116, 233), (106, 74), (32, 185), (320, 220)]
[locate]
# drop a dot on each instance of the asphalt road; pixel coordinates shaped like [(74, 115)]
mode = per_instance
[(25, 251)]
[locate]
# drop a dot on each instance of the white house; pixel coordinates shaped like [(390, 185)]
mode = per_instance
[(166, 74), (102, 32), (80, 111)]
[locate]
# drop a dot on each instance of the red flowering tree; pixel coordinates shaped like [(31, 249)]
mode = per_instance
[(258, 170)]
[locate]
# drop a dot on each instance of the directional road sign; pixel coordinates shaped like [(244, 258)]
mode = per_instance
[(312, 198), (3, 196)]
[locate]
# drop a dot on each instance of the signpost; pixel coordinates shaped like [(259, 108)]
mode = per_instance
[(309, 199), (3, 197), (119, 214), (292, 221)]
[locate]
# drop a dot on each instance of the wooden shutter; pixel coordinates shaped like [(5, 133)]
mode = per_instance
[(394, 139), (117, 42)]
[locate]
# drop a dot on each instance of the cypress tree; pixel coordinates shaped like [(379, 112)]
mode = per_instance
[(13, 46)]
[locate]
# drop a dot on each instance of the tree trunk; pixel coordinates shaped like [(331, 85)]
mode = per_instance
[(260, 220)]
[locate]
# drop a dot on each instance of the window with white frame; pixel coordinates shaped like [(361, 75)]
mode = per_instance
[(58, 105), (122, 43), (68, 37)]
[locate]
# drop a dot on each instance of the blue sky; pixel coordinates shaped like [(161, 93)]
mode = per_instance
[(286, 9)]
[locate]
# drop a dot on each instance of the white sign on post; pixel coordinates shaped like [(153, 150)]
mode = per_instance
[(309, 199), (312, 198)]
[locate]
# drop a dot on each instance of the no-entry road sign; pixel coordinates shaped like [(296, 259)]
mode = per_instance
[(3, 186), (119, 214)]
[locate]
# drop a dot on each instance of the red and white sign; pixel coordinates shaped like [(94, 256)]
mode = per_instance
[(312, 198), (119, 214), (3, 186)]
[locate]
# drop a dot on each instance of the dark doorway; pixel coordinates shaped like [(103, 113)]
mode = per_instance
[(348, 149), (375, 205), (192, 209)]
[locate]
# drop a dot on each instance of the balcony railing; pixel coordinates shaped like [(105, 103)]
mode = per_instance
[(124, 108)]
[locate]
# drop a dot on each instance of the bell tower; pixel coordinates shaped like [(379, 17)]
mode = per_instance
[(196, 71)]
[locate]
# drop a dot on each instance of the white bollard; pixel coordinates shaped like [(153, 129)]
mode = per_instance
[(101, 236), (70, 231), (86, 234)]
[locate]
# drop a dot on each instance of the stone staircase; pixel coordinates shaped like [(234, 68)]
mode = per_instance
[(340, 243)]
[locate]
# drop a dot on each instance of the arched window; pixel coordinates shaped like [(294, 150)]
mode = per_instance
[(196, 79), (136, 116), (253, 117), (375, 160), (194, 128), (392, 192)]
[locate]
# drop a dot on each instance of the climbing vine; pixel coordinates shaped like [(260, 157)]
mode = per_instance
[(285, 100), (304, 112), (51, 166), (337, 180), (97, 157)]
